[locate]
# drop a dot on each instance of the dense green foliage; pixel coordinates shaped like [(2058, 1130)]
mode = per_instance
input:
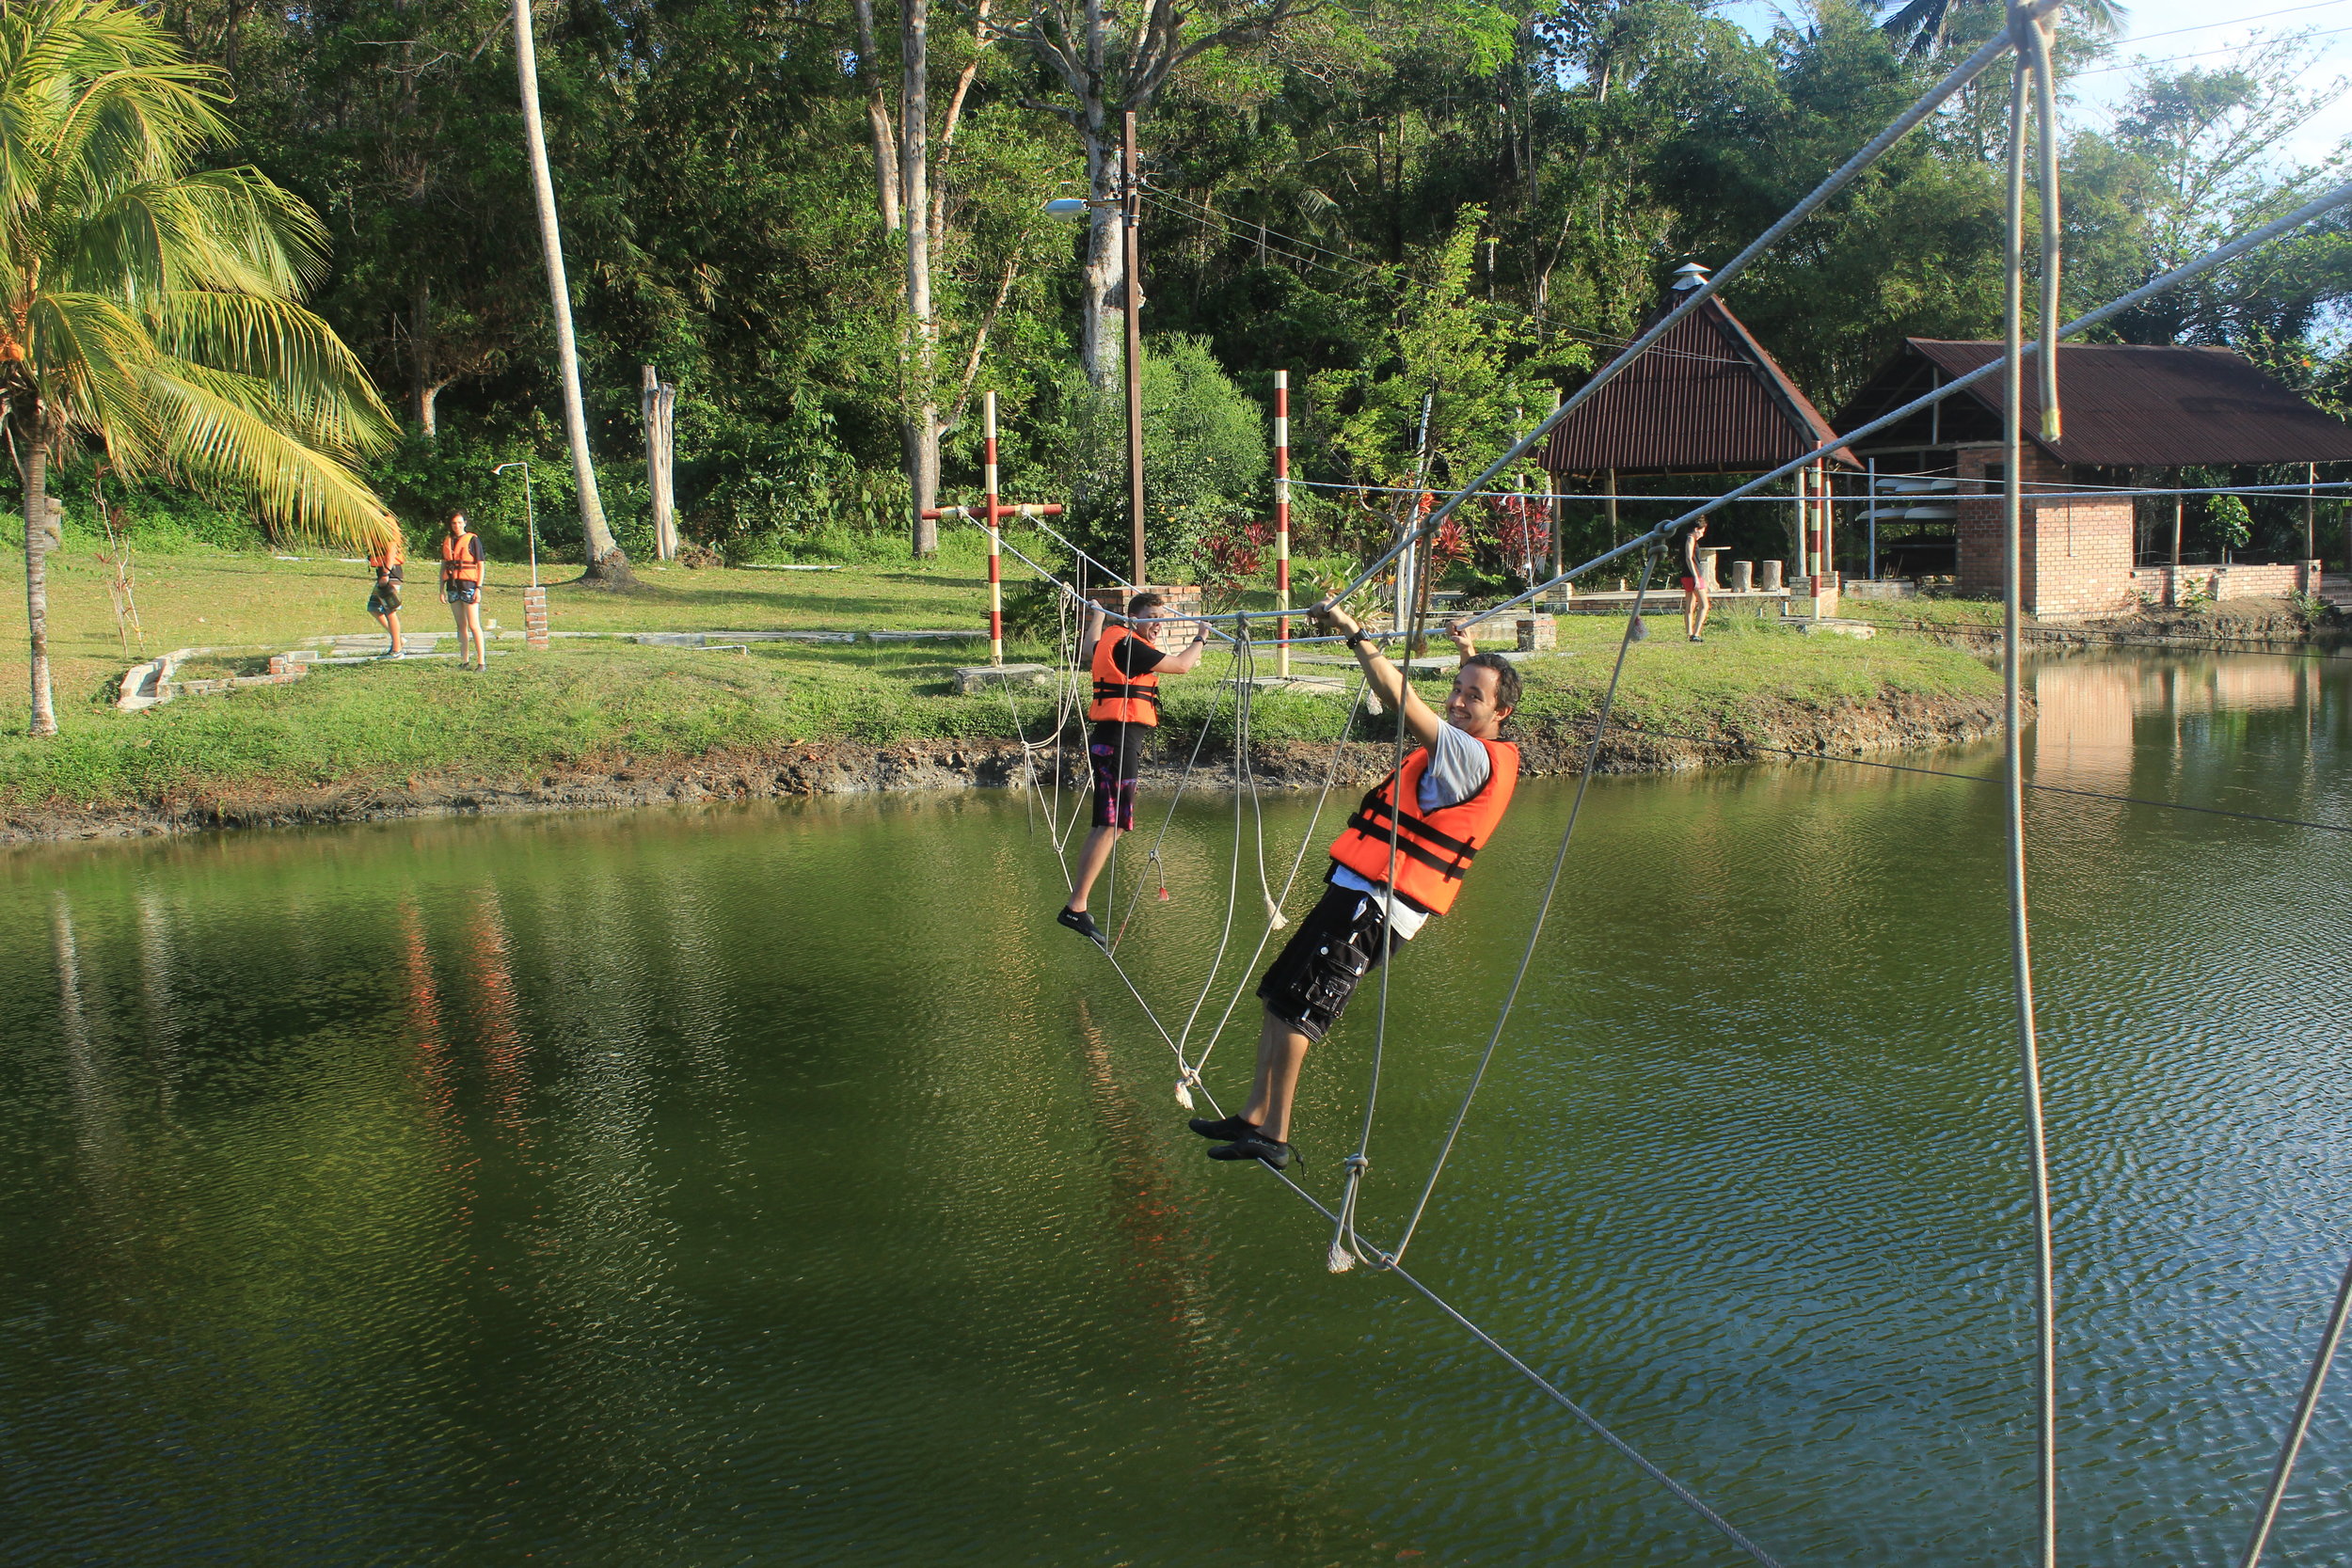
[(1478, 196)]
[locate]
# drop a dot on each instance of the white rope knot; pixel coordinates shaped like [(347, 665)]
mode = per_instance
[(1343, 1253), (1186, 1081)]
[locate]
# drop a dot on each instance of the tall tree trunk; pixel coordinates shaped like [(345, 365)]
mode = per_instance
[(1102, 323), (919, 433), (605, 559), (419, 322), (877, 120), (36, 575)]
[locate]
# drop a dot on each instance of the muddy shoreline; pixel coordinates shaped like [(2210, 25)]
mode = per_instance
[(784, 771)]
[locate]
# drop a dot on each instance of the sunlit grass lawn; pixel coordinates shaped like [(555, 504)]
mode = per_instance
[(596, 698)]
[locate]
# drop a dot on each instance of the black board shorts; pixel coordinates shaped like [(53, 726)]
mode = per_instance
[(1115, 751), (1343, 940)]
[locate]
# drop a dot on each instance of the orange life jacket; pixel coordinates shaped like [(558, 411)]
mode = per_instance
[(1134, 700), (388, 555), (460, 563), (1433, 850)]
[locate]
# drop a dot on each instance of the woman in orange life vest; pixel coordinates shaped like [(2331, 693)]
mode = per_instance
[(1126, 707), (1454, 788), (461, 585)]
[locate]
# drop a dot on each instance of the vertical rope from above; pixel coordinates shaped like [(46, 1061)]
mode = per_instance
[(1345, 1252), (1306, 842), (1559, 861), (2284, 1471), (2034, 49), (2020, 932), (1245, 666)]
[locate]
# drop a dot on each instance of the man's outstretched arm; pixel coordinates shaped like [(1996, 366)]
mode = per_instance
[(1182, 659), (1387, 682)]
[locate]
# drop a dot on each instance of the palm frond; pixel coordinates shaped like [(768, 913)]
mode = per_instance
[(213, 429)]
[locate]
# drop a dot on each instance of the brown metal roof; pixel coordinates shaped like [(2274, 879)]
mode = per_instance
[(2125, 405), (1705, 398)]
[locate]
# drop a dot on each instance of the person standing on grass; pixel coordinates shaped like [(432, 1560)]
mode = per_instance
[(1694, 599), (1400, 860), (387, 559), (1126, 708), (461, 585)]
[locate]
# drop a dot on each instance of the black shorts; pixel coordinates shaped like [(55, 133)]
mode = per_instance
[(1339, 942), (1115, 754)]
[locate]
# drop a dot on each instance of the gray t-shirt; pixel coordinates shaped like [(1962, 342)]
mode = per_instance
[(1458, 769)]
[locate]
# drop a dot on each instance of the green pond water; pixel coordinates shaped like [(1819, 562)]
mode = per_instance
[(779, 1185)]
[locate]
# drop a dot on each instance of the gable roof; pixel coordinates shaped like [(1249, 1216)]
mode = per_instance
[(2123, 405), (1705, 398)]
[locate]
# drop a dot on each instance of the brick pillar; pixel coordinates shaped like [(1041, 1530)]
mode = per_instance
[(535, 618)]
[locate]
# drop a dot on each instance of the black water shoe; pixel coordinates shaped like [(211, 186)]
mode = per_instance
[(1083, 922), (1223, 1132), (1254, 1145)]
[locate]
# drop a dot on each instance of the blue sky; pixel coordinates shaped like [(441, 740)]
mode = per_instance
[(2207, 33)]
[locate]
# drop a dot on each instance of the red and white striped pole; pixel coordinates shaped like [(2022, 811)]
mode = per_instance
[(1282, 522), (996, 554)]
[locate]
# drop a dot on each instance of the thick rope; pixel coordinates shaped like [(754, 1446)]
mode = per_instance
[(1543, 909), (2014, 778), (1244, 693), (2284, 1471), (1315, 824), (1343, 1253)]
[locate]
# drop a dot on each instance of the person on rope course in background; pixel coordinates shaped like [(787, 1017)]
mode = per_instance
[(1694, 597), (1126, 708), (461, 585), (1455, 786)]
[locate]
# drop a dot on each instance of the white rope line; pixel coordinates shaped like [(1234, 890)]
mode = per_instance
[(1680, 1493), (1344, 1253), (2027, 31), (1187, 1074), (1543, 909), (1315, 825), (2283, 1471)]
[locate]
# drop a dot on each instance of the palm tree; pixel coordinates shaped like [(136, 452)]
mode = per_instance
[(1918, 26), (153, 308)]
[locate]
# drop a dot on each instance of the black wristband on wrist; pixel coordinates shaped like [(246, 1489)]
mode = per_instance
[(1357, 639)]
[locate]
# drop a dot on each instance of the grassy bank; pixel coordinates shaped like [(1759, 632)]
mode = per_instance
[(599, 700)]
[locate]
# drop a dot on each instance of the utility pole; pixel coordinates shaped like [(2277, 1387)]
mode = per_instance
[(1131, 209)]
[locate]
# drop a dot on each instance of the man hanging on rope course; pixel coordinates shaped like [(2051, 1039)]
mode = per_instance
[(1391, 869), (1126, 708)]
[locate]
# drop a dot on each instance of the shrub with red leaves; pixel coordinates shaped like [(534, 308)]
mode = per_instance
[(1228, 558), (1523, 532)]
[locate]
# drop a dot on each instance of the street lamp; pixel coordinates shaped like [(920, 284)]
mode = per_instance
[(530, 523), (1129, 204)]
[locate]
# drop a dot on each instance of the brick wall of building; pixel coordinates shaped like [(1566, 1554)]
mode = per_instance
[(2166, 584), (2077, 553)]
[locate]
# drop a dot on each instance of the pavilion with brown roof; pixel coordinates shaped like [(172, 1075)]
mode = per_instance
[(1705, 399), (2125, 408)]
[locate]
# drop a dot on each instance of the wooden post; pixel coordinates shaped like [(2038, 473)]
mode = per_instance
[(2179, 501), (1870, 512), (2311, 514), (1282, 522), (1555, 505), (1609, 501), (655, 400)]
